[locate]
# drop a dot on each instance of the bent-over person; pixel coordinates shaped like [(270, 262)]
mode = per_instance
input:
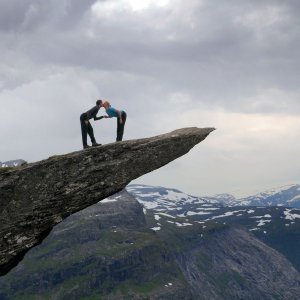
[(121, 118)]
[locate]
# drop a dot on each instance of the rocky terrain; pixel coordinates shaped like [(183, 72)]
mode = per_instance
[(114, 250), (37, 196)]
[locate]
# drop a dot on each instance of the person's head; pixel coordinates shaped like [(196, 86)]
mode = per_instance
[(106, 104), (99, 103)]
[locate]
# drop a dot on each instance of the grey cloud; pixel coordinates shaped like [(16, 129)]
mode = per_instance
[(216, 56), (12, 14), (29, 15), (58, 57)]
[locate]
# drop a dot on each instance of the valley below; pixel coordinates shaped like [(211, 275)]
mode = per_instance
[(156, 243)]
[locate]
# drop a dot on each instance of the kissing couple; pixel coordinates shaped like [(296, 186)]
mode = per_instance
[(87, 129)]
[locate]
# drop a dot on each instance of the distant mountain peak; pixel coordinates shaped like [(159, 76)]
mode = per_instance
[(280, 196), (12, 163)]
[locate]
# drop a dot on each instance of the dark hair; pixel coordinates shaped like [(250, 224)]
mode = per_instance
[(98, 102)]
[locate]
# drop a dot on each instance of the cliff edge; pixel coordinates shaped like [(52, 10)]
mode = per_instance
[(36, 197)]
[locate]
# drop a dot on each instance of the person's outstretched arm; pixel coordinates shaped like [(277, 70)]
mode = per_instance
[(98, 118)]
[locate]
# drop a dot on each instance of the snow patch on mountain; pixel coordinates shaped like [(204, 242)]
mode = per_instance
[(156, 217), (193, 213), (155, 228), (259, 217), (291, 216), (166, 215), (227, 214), (262, 222)]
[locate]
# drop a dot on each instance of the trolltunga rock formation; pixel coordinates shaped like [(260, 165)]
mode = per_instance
[(36, 197)]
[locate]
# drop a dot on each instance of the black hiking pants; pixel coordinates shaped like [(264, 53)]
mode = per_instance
[(86, 129), (120, 127)]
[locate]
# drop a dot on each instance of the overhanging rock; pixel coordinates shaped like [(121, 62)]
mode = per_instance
[(37, 196)]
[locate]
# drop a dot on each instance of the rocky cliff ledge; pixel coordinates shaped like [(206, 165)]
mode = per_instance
[(35, 197)]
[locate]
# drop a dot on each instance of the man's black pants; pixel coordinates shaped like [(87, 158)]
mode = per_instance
[(120, 127), (86, 129)]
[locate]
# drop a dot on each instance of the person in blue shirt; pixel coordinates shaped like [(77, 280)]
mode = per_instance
[(121, 119)]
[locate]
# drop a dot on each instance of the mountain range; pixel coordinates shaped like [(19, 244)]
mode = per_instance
[(159, 243), (12, 163), (277, 225), (287, 196)]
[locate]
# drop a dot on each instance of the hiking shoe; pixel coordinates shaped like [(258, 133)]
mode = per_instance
[(96, 144), (86, 146)]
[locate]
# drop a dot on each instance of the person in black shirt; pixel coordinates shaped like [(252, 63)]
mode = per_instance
[(86, 127)]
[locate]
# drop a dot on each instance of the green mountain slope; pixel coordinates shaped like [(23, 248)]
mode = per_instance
[(109, 251)]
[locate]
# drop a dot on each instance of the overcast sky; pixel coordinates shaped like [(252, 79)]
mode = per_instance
[(229, 64)]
